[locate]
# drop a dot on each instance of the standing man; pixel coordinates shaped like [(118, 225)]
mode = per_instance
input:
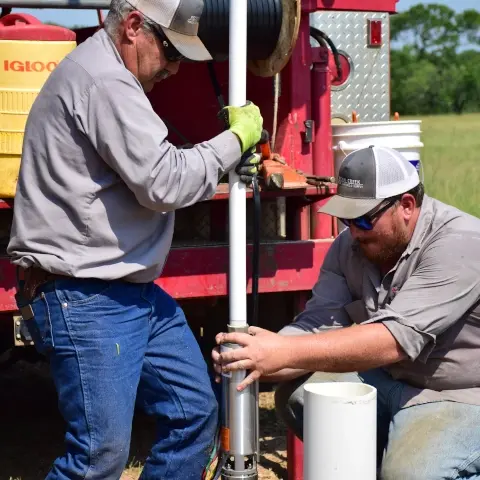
[(93, 225), (406, 273)]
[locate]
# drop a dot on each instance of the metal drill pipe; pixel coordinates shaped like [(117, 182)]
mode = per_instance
[(239, 423), (239, 408)]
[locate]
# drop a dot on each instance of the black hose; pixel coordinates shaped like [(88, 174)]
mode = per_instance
[(171, 127), (257, 211), (216, 86), (323, 39), (313, 33), (264, 22), (221, 464)]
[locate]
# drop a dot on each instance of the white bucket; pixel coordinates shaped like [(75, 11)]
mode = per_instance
[(340, 431), (403, 136)]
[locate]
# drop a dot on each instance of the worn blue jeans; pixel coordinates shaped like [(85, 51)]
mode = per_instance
[(112, 345), (431, 441)]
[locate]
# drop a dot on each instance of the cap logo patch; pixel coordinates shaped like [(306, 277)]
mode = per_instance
[(193, 20), (350, 183)]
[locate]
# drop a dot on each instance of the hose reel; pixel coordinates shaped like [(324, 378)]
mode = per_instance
[(273, 27)]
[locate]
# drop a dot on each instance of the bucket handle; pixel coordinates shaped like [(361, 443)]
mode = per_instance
[(340, 146), (17, 19)]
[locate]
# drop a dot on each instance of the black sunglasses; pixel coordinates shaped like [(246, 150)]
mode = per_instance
[(171, 53), (365, 222)]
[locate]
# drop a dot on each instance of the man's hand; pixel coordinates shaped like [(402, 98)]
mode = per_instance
[(248, 166), (264, 352), (251, 163), (245, 122)]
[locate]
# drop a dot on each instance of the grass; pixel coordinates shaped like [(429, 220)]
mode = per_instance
[(450, 159), (133, 470)]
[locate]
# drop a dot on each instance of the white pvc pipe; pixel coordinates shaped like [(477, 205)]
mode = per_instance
[(237, 203), (340, 431)]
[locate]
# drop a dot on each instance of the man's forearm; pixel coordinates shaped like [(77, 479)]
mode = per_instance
[(283, 375), (352, 349)]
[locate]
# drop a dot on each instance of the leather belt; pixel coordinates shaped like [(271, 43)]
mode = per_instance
[(34, 277)]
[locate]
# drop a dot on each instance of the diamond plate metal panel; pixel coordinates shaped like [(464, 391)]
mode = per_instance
[(368, 89)]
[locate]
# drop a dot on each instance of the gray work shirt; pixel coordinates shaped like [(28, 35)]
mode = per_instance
[(430, 302), (99, 182)]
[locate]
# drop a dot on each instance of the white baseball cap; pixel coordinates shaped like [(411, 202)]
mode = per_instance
[(366, 178), (179, 21)]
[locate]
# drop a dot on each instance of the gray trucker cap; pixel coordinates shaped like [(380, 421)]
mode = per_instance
[(366, 178), (179, 21)]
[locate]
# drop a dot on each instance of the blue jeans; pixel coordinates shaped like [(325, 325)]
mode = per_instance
[(431, 441), (112, 345)]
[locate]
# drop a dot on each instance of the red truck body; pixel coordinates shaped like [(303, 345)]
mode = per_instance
[(294, 238)]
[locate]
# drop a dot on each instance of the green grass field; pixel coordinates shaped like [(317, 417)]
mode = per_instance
[(451, 160)]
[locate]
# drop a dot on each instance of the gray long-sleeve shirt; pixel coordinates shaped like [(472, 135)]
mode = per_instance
[(98, 182), (430, 302)]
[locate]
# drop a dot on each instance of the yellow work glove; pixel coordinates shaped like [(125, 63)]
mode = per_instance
[(245, 122)]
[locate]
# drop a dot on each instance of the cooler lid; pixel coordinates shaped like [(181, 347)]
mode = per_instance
[(22, 26)]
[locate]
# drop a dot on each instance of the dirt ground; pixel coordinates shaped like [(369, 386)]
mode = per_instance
[(32, 429)]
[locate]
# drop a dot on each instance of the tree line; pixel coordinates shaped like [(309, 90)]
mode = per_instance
[(435, 60)]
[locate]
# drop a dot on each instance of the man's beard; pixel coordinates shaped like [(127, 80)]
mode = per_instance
[(390, 251)]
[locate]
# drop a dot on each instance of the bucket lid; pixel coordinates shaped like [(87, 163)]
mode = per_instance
[(378, 123), (22, 26)]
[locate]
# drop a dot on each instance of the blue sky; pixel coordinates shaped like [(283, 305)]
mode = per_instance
[(89, 17)]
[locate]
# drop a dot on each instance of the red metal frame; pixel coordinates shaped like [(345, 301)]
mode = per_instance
[(297, 152), (295, 451), (284, 267), (222, 193), (198, 272), (293, 266), (301, 62), (322, 225)]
